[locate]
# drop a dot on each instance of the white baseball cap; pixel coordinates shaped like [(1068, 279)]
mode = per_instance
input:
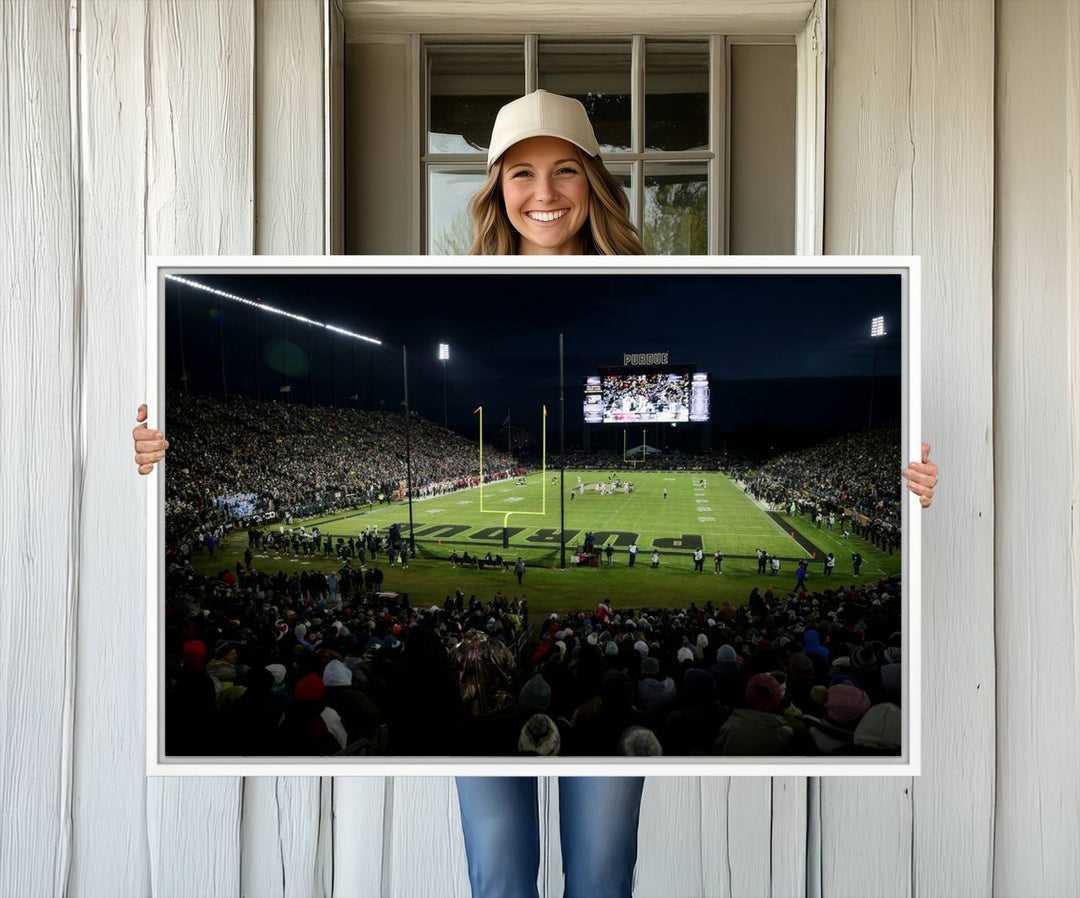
[(541, 114)]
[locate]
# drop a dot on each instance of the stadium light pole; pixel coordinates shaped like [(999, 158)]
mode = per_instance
[(562, 462), (877, 329), (444, 357), (408, 447)]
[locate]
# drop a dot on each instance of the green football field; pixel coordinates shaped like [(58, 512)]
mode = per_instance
[(714, 515)]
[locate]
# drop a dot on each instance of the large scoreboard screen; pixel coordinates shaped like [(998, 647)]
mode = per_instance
[(673, 394)]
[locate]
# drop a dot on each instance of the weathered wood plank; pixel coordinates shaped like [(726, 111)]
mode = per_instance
[(425, 822), (193, 828), (952, 77), (736, 822), (789, 821), (676, 817), (199, 200), (282, 831), (289, 127), (41, 448), (280, 836), (201, 180), (868, 172), (1037, 449), (909, 170), (359, 812), (109, 774)]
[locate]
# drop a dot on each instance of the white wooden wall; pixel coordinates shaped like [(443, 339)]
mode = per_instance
[(192, 126)]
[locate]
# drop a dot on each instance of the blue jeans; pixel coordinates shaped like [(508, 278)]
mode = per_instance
[(598, 821)]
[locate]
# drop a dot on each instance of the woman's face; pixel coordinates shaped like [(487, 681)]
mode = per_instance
[(546, 195)]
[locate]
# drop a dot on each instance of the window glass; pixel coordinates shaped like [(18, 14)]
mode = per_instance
[(676, 208), (597, 74), (623, 174), (467, 85), (676, 95), (449, 190)]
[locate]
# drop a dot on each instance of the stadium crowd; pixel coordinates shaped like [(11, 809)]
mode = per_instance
[(321, 665), (239, 457), (310, 663), (852, 477)]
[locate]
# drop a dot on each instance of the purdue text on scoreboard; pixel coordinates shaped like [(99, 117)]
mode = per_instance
[(645, 358)]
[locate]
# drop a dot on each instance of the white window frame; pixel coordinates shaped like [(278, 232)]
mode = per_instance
[(810, 124)]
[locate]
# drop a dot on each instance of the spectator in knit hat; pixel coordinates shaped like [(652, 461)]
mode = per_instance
[(844, 707), (252, 721), (656, 696), (758, 730), (801, 679), (359, 715), (223, 667), (879, 729), (598, 724), (189, 724), (763, 692), (539, 736), (639, 742), (726, 673), (425, 705), (812, 644), (535, 695), (692, 729), (891, 680), (309, 727), (866, 665), (499, 730)]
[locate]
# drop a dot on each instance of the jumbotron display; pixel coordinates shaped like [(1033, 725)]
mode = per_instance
[(669, 394)]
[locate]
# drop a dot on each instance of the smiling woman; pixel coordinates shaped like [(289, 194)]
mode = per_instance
[(546, 195), (547, 191)]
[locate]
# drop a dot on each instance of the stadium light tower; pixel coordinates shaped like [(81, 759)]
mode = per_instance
[(444, 357), (877, 329)]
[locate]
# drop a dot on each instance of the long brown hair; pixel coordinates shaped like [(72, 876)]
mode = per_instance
[(607, 232)]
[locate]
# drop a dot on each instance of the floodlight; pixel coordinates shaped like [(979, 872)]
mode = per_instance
[(877, 326), (266, 307), (444, 352)]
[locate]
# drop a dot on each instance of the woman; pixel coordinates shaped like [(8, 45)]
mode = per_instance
[(548, 193)]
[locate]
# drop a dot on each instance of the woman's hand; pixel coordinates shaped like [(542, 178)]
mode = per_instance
[(922, 477), (150, 445)]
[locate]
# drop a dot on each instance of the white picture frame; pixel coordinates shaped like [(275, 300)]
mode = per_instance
[(907, 763)]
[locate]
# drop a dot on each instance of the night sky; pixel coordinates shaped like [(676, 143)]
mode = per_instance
[(787, 352)]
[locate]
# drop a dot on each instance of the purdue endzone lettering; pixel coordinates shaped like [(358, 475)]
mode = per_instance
[(644, 358), (622, 538)]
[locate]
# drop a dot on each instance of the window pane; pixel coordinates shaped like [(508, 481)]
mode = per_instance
[(676, 95), (597, 74), (676, 209), (762, 179), (449, 191), (467, 84), (623, 174)]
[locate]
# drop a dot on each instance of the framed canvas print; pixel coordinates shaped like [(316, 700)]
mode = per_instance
[(504, 516)]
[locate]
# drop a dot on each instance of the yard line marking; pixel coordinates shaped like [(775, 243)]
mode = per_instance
[(465, 502), (706, 520), (435, 510), (704, 508)]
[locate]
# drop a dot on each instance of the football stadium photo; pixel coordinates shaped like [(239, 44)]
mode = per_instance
[(496, 514)]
